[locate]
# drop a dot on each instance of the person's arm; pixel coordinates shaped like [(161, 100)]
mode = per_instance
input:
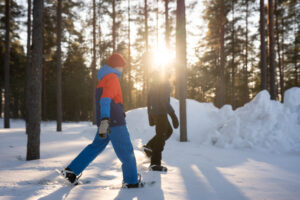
[(109, 91), (169, 107), (167, 95), (149, 103)]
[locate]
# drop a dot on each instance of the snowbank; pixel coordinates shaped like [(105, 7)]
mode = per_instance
[(261, 124)]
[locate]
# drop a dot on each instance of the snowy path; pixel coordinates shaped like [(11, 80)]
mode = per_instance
[(195, 171)]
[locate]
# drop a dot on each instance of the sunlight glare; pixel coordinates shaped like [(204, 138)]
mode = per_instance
[(162, 57)]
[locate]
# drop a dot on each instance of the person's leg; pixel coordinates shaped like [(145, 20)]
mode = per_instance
[(120, 140), (159, 142), (169, 130), (88, 154), (151, 142)]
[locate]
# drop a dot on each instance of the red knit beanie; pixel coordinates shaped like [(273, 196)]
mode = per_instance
[(116, 60)]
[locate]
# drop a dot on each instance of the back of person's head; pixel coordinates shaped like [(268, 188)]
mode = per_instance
[(116, 60)]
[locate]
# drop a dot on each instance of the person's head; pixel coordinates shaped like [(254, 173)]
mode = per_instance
[(117, 62), (158, 77)]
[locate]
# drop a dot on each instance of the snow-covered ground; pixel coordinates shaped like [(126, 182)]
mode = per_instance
[(250, 153)]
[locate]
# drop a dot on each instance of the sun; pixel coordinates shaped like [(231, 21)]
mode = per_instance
[(162, 57)]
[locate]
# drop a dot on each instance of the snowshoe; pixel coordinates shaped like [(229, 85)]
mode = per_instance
[(139, 184), (70, 176), (158, 168)]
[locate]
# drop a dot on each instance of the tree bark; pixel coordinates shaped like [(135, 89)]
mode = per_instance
[(100, 35), (145, 84), (34, 102), (263, 57), (59, 69), (28, 58), (157, 24), (246, 98), (222, 56), (279, 53), (181, 65), (7, 66), (167, 34), (114, 24), (44, 90), (0, 101), (282, 55), (94, 78), (129, 60), (233, 60), (271, 49)]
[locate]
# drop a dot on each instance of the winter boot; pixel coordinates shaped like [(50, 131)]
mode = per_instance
[(158, 168), (70, 176), (147, 151), (139, 184)]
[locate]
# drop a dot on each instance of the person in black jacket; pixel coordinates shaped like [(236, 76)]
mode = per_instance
[(159, 107)]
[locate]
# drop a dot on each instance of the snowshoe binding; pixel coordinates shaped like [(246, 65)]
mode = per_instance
[(139, 184), (158, 168), (70, 176)]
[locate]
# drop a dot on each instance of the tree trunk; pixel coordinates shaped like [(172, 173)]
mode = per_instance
[(100, 35), (181, 65), (263, 57), (157, 24), (145, 84), (34, 102), (44, 90), (246, 98), (59, 69), (282, 56), (7, 65), (271, 49), (167, 34), (222, 56), (0, 101), (129, 60), (94, 78), (114, 24), (28, 58), (233, 60), (279, 53)]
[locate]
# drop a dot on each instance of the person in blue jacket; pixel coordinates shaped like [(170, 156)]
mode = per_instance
[(111, 127), (159, 107)]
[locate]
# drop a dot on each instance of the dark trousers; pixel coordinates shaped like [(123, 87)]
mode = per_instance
[(163, 132)]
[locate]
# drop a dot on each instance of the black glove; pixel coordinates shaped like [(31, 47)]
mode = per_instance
[(151, 120), (174, 120)]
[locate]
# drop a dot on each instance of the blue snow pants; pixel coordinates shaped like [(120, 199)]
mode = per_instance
[(121, 143)]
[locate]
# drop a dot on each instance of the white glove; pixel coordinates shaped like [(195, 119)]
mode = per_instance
[(104, 128)]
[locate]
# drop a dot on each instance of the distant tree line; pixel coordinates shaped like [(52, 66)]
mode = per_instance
[(231, 66)]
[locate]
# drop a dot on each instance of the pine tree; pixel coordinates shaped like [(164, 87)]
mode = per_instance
[(263, 57), (221, 97), (34, 103), (246, 87), (281, 83), (58, 86), (271, 49), (94, 78), (28, 57), (6, 65), (181, 65)]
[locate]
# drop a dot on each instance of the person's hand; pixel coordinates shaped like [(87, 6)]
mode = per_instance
[(103, 128), (175, 121)]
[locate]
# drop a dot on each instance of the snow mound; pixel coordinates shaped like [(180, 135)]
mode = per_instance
[(261, 124)]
